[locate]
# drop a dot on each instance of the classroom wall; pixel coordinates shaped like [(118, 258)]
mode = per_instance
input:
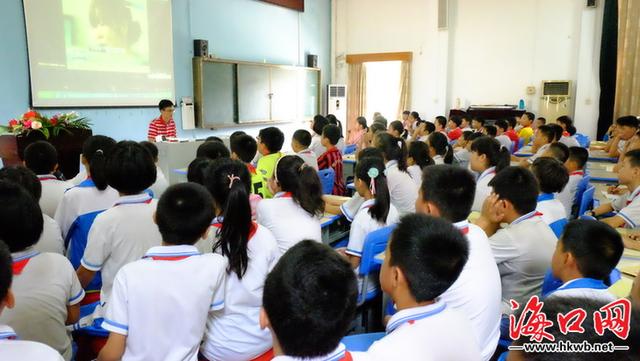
[(492, 50), (240, 29)]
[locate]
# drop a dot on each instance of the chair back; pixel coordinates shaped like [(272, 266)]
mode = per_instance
[(327, 177)]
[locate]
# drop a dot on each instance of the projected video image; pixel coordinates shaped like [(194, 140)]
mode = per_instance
[(106, 35)]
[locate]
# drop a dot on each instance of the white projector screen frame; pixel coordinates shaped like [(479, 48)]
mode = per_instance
[(79, 58)]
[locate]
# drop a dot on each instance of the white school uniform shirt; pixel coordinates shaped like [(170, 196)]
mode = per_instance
[(427, 333), (504, 141), (416, 173), (310, 158), (461, 157), (402, 189), (588, 288), (552, 209), (629, 208), (523, 251), (483, 190), (437, 159), (316, 145), (160, 185), (161, 302), (477, 291), (52, 192), (43, 289), (13, 349), (288, 222), (234, 333), (51, 237), (340, 145), (339, 354), (351, 206), (82, 199), (120, 235), (568, 195), (538, 154), (622, 145), (569, 141)]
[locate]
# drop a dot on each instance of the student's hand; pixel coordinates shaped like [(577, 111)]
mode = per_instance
[(632, 241), (616, 190), (493, 209)]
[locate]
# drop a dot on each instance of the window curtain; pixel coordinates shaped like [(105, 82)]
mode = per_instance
[(405, 88), (356, 93), (628, 63), (608, 61)]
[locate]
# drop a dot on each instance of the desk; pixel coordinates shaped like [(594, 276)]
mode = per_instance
[(629, 266), (595, 155), (335, 227), (173, 156), (602, 172)]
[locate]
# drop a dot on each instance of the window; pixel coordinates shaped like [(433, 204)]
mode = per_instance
[(382, 89)]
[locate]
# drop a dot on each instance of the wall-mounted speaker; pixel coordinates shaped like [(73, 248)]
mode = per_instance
[(312, 61), (592, 3), (200, 48)]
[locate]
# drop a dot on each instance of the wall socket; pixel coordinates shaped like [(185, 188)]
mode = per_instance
[(531, 90)]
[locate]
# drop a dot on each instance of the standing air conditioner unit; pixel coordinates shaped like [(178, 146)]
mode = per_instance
[(337, 104), (555, 100)]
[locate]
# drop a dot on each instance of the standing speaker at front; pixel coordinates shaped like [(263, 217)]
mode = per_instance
[(312, 61), (200, 48)]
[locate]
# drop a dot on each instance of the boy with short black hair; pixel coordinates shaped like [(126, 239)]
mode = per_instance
[(584, 257), (270, 141), (46, 289), (212, 150), (526, 131), (332, 158), (538, 122), (244, 148), (42, 158), (578, 158), (626, 129), (161, 184), (300, 143), (477, 123), (544, 137), (552, 177), (309, 302), (465, 123), (424, 257), (491, 131), (454, 131), (10, 347), (448, 191), (501, 133), (523, 248), (511, 132), (558, 151), (182, 284)]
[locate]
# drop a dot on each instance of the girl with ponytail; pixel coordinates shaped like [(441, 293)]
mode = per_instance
[(440, 149), (251, 251), (294, 212), (488, 157), (403, 190)]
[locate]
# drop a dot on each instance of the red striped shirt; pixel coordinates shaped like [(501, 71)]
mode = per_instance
[(159, 127), (333, 159)]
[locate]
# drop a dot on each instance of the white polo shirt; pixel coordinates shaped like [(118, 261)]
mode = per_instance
[(523, 251), (569, 141), (161, 302), (339, 354), (504, 141), (437, 159), (461, 157), (13, 349), (588, 288), (310, 158), (477, 291), (288, 222), (568, 195), (51, 237), (316, 145), (160, 185), (432, 332), (82, 199), (402, 189), (629, 208), (351, 206), (416, 174), (552, 209), (538, 154), (120, 235), (52, 193), (44, 284), (234, 334), (483, 190)]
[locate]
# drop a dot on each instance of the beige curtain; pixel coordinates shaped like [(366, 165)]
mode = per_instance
[(404, 102), (356, 93), (628, 77)]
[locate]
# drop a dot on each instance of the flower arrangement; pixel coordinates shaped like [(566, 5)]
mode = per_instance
[(33, 121)]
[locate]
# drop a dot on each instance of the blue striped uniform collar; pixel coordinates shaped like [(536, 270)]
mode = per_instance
[(414, 314), (545, 197)]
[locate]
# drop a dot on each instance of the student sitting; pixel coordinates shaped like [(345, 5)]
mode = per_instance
[(46, 289), (309, 303), (300, 144), (161, 184), (511, 133), (270, 141), (439, 149), (584, 257), (552, 177), (195, 170), (397, 130), (244, 149), (251, 251), (10, 347), (212, 150), (465, 124), (627, 208), (402, 188), (477, 124), (462, 154), (501, 134), (124, 232), (375, 212), (440, 125), (421, 133), (332, 158), (159, 305), (526, 132), (369, 137), (488, 157), (334, 121), (317, 125), (447, 192), (51, 238), (356, 135), (417, 159), (558, 151), (415, 274), (544, 137), (578, 157), (454, 128), (523, 248), (42, 158), (295, 210), (568, 131), (538, 122), (626, 129)]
